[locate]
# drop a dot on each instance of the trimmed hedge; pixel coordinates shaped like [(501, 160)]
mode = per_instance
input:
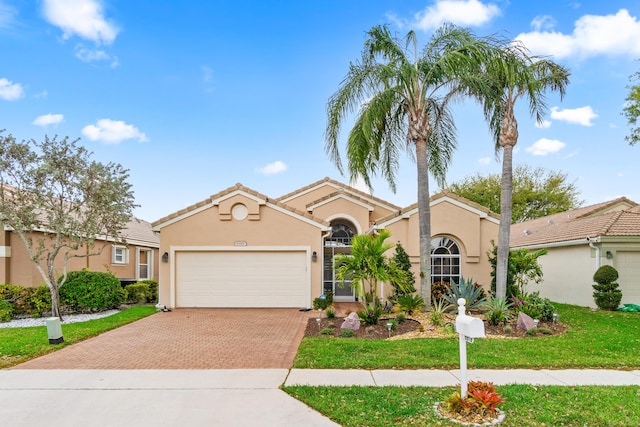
[(26, 301), (137, 293), (91, 291), (152, 295)]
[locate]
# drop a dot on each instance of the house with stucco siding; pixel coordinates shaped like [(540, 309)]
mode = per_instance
[(578, 242), (240, 248)]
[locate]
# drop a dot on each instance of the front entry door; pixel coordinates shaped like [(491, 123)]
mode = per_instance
[(341, 292)]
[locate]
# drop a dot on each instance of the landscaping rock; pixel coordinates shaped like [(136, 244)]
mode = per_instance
[(525, 322), (351, 322)]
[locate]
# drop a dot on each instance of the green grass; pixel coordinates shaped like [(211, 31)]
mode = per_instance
[(599, 339), (525, 405), (18, 345)]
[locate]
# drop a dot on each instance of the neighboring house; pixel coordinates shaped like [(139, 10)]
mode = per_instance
[(578, 243), (239, 248), (130, 262)]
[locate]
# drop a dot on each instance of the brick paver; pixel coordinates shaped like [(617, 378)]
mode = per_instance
[(189, 339)]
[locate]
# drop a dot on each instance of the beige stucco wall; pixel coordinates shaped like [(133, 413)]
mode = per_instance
[(346, 209), (211, 227), (472, 232), (568, 272), (19, 269)]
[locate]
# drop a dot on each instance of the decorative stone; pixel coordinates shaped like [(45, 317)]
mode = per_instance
[(351, 322), (525, 322)]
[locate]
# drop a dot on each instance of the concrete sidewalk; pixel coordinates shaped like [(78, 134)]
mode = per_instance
[(239, 397)]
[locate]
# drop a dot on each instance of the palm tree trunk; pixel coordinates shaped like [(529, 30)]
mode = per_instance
[(504, 233), (424, 220)]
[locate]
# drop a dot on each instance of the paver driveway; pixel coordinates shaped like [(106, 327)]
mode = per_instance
[(189, 339)]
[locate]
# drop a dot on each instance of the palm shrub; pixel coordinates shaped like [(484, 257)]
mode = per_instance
[(470, 291), (606, 293), (371, 313), (410, 303), (497, 310), (440, 307), (86, 290)]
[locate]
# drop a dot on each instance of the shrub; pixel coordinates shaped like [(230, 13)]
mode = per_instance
[(537, 307), (545, 331), (320, 303), (472, 292), (6, 311), (26, 300), (606, 295), (497, 310), (532, 332), (347, 333), (507, 329), (401, 317), (410, 303), (440, 307), (152, 295), (403, 262), (91, 291), (393, 323), (439, 290), (137, 293), (371, 313), (326, 331), (331, 313)]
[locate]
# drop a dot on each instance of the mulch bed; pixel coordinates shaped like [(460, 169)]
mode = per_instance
[(378, 331), (419, 326)]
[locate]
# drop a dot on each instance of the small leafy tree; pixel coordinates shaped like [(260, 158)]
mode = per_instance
[(402, 261), (523, 268), (606, 293), (632, 110), (59, 202)]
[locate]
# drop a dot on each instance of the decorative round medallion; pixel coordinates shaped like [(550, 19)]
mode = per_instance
[(239, 212)]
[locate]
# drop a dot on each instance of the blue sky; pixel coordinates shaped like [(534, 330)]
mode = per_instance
[(193, 97)]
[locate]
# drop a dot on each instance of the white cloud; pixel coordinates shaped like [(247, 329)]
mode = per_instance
[(580, 116), (113, 132), (273, 168), (82, 18), (592, 35), (543, 22), (7, 15), (545, 146), (48, 119), (10, 91), (42, 94), (359, 184), (91, 55), (484, 161), (459, 12), (545, 124)]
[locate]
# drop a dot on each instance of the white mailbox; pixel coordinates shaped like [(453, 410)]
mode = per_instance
[(469, 326)]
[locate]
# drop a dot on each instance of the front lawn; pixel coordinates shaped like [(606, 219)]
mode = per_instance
[(526, 405), (18, 345), (596, 339)]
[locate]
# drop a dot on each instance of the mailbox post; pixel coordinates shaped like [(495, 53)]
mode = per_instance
[(468, 328)]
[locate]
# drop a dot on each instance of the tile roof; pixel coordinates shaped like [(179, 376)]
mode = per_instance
[(362, 194), (139, 232), (438, 196), (237, 187), (597, 220)]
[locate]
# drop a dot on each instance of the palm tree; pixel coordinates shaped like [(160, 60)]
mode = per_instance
[(515, 75), (402, 101)]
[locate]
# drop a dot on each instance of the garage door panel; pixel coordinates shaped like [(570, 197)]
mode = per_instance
[(241, 279), (628, 266)]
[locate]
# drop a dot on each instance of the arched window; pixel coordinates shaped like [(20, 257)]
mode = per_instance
[(341, 233), (445, 260)]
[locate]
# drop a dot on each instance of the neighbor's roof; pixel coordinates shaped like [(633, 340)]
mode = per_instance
[(615, 218), (139, 232), (213, 199)]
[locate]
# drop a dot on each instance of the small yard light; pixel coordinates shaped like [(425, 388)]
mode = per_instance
[(389, 326), (555, 317)]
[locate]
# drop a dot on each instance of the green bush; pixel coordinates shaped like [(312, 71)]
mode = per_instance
[(320, 303), (606, 295), (6, 311), (91, 291), (26, 300), (347, 333), (497, 310), (410, 303), (537, 307), (439, 290), (371, 313), (137, 293), (152, 295), (331, 313), (326, 331)]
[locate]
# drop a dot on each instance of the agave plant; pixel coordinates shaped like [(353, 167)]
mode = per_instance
[(467, 289)]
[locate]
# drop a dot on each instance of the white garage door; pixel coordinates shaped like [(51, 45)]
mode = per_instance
[(628, 266), (242, 279)]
